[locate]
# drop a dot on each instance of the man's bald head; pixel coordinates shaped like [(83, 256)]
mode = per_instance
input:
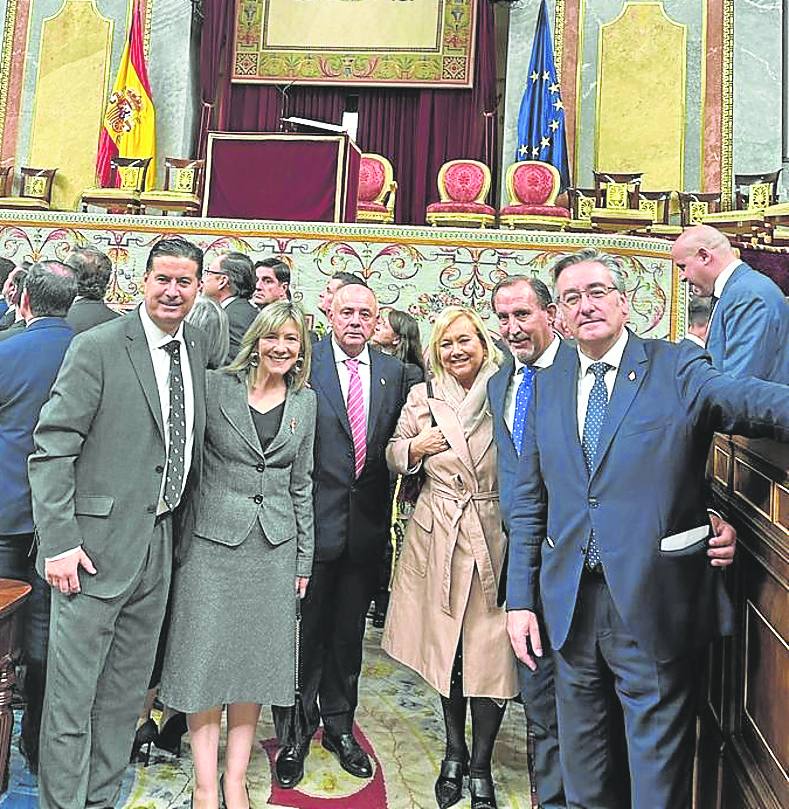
[(702, 253)]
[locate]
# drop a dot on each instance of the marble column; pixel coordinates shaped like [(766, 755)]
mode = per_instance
[(758, 118), (173, 72)]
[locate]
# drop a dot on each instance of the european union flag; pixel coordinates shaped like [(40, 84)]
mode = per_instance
[(541, 117)]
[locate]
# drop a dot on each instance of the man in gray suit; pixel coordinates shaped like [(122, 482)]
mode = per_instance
[(94, 270), (117, 450), (230, 282)]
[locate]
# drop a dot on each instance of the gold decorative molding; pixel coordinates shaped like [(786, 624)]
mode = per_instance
[(558, 38), (727, 106), (6, 55)]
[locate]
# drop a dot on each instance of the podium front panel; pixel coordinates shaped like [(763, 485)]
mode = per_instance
[(301, 178)]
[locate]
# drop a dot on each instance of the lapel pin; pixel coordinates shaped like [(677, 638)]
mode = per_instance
[(293, 426), (383, 381), (632, 376)]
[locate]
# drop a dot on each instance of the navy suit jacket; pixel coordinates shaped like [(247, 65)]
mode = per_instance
[(349, 513), (749, 330), (507, 458), (28, 366), (647, 484)]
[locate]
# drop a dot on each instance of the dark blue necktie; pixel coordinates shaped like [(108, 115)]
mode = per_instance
[(522, 399), (595, 415)]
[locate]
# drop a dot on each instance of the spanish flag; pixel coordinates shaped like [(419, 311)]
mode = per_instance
[(129, 126)]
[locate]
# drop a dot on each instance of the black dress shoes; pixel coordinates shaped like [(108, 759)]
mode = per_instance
[(449, 784), (350, 755), (289, 766), (483, 796)]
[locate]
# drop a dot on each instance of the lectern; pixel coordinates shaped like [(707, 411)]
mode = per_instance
[(288, 177)]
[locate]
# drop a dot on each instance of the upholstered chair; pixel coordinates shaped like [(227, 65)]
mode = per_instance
[(533, 187), (463, 186), (182, 187), (377, 190), (35, 190), (127, 182)]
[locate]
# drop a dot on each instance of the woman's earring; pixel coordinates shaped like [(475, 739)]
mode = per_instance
[(254, 359), (298, 365)]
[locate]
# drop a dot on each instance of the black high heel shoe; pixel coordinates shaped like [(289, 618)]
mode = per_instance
[(222, 799), (144, 736), (483, 795), (449, 784), (169, 737)]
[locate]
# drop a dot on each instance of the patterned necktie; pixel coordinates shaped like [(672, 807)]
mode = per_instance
[(595, 415), (176, 464), (522, 399), (356, 416)]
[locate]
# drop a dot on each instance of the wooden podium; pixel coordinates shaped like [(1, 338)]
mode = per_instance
[(287, 177)]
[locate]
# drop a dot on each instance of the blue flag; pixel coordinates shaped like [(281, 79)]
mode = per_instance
[(541, 117)]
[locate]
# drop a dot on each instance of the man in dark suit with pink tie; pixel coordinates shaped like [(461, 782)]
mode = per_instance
[(360, 394)]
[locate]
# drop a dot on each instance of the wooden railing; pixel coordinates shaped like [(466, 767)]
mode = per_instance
[(743, 753)]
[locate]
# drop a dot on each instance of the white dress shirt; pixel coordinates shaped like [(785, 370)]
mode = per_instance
[(227, 301), (722, 279), (694, 338), (586, 379), (545, 360), (344, 374), (157, 340)]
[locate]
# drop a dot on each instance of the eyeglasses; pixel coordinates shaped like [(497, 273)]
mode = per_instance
[(596, 292), (216, 272)]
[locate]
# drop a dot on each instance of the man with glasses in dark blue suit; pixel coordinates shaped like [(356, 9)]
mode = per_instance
[(610, 537)]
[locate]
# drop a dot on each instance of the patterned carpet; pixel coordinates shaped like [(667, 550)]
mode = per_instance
[(399, 724)]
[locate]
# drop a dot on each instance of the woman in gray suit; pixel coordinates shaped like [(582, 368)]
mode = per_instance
[(232, 632)]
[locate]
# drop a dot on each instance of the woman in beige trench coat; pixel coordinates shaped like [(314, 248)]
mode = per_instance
[(443, 618)]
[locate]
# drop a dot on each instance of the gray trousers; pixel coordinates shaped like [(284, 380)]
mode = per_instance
[(101, 654)]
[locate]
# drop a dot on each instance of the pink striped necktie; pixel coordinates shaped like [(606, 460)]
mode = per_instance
[(356, 416)]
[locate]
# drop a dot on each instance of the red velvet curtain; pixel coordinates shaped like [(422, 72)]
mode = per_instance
[(418, 130)]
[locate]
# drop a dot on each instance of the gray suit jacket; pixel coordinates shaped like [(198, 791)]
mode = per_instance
[(99, 455), (242, 484), (86, 313)]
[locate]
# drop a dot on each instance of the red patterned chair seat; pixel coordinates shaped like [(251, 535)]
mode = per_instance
[(463, 186), (535, 210), (371, 206), (375, 200), (461, 207)]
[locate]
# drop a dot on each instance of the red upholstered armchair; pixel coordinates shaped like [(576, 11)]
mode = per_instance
[(463, 186), (532, 187), (377, 190)]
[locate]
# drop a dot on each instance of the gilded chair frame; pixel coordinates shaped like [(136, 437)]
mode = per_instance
[(532, 221), (386, 196), (462, 219)]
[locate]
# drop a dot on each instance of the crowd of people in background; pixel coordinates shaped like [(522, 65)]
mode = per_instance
[(203, 493)]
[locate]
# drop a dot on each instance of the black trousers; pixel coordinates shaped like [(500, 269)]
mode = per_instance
[(18, 561), (332, 630)]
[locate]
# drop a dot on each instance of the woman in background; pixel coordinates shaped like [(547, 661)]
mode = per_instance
[(397, 333), (444, 620), (232, 634)]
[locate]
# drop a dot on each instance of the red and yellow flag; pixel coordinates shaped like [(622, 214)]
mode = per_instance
[(129, 126)]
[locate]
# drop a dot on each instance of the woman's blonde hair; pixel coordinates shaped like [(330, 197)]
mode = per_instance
[(270, 320), (447, 317)]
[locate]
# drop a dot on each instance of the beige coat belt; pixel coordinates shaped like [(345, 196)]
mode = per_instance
[(476, 536)]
